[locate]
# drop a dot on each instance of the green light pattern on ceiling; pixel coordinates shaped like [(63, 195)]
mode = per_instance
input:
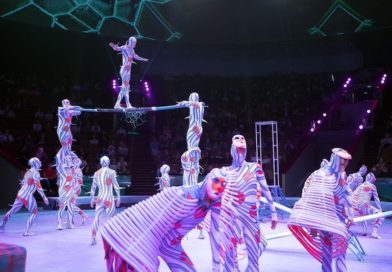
[(140, 18), (340, 5)]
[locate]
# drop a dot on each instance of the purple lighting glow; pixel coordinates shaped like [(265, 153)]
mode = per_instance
[(147, 89), (324, 114), (114, 84), (318, 121), (384, 76), (348, 80), (368, 111), (360, 127)]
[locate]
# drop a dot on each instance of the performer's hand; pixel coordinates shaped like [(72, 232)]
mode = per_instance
[(274, 223), (92, 203), (112, 45), (118, 203), (46, 201)]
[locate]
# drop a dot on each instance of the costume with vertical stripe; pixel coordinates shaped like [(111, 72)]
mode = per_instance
[(31, 182)]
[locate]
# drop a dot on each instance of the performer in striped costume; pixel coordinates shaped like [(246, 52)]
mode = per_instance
[(361, 202), (128, 55), (64, 133), (64, 161), (66, 191), (164, 180), (353, 181), (190, 158), (315, 219), (31, 182), (78, 183), (343, 198), (238, 216), (135, 238), (356, 179), (106, 180)]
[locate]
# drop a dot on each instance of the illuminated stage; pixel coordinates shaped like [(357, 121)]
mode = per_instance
[(70, 250)]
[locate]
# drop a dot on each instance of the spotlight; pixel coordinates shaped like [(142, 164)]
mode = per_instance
[(360, 127), (345, 85), (147, 88), (312, 130), (368, 111), (114, 84), (319, 122), (324, 114)]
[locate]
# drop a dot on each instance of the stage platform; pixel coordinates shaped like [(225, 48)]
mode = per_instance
[(69, 250), (126, 201)]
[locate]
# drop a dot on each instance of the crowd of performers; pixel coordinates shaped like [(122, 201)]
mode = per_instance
[(224, 204)]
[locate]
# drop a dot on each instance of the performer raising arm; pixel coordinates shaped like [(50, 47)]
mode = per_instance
[(128, 55)]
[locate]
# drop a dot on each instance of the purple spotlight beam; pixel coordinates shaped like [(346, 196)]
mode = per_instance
[(147, 89)]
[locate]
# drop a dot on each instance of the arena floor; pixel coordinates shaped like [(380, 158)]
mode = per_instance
[(69, 250)]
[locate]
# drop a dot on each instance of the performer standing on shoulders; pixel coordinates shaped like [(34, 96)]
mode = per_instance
[(128, 55)]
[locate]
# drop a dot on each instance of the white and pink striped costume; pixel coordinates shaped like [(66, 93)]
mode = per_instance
[(66, 191), (356, 179), (64, 161), (361, 202), (128, 55), (106, 180), (315, 219), (164, 180), (31, 182), (78, 183), (238, 216), (135, 238), (190, 158)]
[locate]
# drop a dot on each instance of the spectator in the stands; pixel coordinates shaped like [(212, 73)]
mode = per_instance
[(122, 166), (95, 128), (41, 155), (111, 152), (121, 131), (122, 149), (49, 116), (37, 126), (8, 136), (385, 142), (39, 115), (50, 174), (380, 168), (94, 141)]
